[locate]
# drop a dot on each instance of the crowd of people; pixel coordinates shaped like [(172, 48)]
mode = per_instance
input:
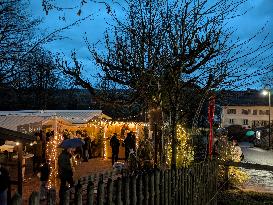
[(41, 166)]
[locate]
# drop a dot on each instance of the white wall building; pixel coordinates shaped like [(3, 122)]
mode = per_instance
[(247, 116)]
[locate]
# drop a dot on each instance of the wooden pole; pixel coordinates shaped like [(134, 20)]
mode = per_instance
[(134, 191), (151, 188), (34, 199), (16, 199), (119, 200), (51, 197), (157, 195), (90, 193), (100, 196), (20, 174), (109, 192), (78, 198), (126, 190)]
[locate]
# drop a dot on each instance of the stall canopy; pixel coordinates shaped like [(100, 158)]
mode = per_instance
[(29, 121), (10, 135)]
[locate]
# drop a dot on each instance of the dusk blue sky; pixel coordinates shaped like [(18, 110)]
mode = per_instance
[(260, 12)]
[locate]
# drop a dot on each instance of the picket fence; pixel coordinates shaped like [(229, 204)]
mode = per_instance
[(194, 185)]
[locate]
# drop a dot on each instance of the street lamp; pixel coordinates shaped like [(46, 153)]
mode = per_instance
[(267, 92)]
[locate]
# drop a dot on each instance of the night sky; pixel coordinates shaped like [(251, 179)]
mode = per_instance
[(259, 14)]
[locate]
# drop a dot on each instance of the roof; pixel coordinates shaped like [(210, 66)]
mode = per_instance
[(242, 98), (13, 119), (6, 134)]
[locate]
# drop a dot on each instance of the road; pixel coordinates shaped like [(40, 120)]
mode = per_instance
[(259, 180)]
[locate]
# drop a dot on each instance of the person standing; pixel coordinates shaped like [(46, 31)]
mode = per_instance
[(65, 173), (128, 143), (114, 143), (4, 185), (44, 176), (38, 154)]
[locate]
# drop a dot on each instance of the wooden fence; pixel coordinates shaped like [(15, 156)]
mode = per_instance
[(194, 185)]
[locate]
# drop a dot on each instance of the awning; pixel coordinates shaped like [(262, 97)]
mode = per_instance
[(6, 134)]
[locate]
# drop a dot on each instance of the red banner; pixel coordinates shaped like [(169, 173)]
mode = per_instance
[(211, 119)]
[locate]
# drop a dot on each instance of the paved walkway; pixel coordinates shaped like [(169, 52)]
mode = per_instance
[(93, 166), (259, 180)]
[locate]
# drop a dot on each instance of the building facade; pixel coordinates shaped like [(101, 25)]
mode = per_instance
[(247, 116)]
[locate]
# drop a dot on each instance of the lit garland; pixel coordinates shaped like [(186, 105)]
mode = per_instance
[(185, 153), (52, 155)]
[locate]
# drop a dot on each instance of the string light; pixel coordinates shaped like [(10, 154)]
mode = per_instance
[(52, 155), (184, 150)]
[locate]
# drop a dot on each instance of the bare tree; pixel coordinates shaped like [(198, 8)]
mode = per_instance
[(15, 35), (162, 48)]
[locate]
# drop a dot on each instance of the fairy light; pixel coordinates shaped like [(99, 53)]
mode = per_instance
[(184, 151), (104, 143), (52, 154)]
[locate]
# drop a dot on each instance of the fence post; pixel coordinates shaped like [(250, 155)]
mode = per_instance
[(134, 192), (51, 197), (119, 200), (90, 193), (34, 198), (66, 198), (157, 173), (166, 187), (151, 188), (173, 188), (78, 197), (16, 199), (126, 190), (100, 196), (109, 192), (182, 185), (146, 189), (140, 196), (162, 188)]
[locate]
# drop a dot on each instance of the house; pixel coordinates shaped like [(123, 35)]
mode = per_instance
[(246, 108), (245, 115)]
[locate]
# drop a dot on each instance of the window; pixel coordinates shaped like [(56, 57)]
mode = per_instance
[(262, 112), (244, 112), (231, 111), (245, 121), (231, 121), (255, 112), (267, 112)]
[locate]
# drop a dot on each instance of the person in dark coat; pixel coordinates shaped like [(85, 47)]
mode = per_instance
[(86, 148), (114, 143), (128, 143), (65, 172), (4, 185), (38, 154), (44, 176)]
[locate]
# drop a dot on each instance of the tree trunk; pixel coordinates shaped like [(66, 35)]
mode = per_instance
[(173, 123)]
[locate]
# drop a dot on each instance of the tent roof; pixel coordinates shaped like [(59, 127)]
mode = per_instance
[(12, 119), (6, 134)]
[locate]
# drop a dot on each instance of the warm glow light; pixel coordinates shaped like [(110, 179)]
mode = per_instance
[(17, 143)]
